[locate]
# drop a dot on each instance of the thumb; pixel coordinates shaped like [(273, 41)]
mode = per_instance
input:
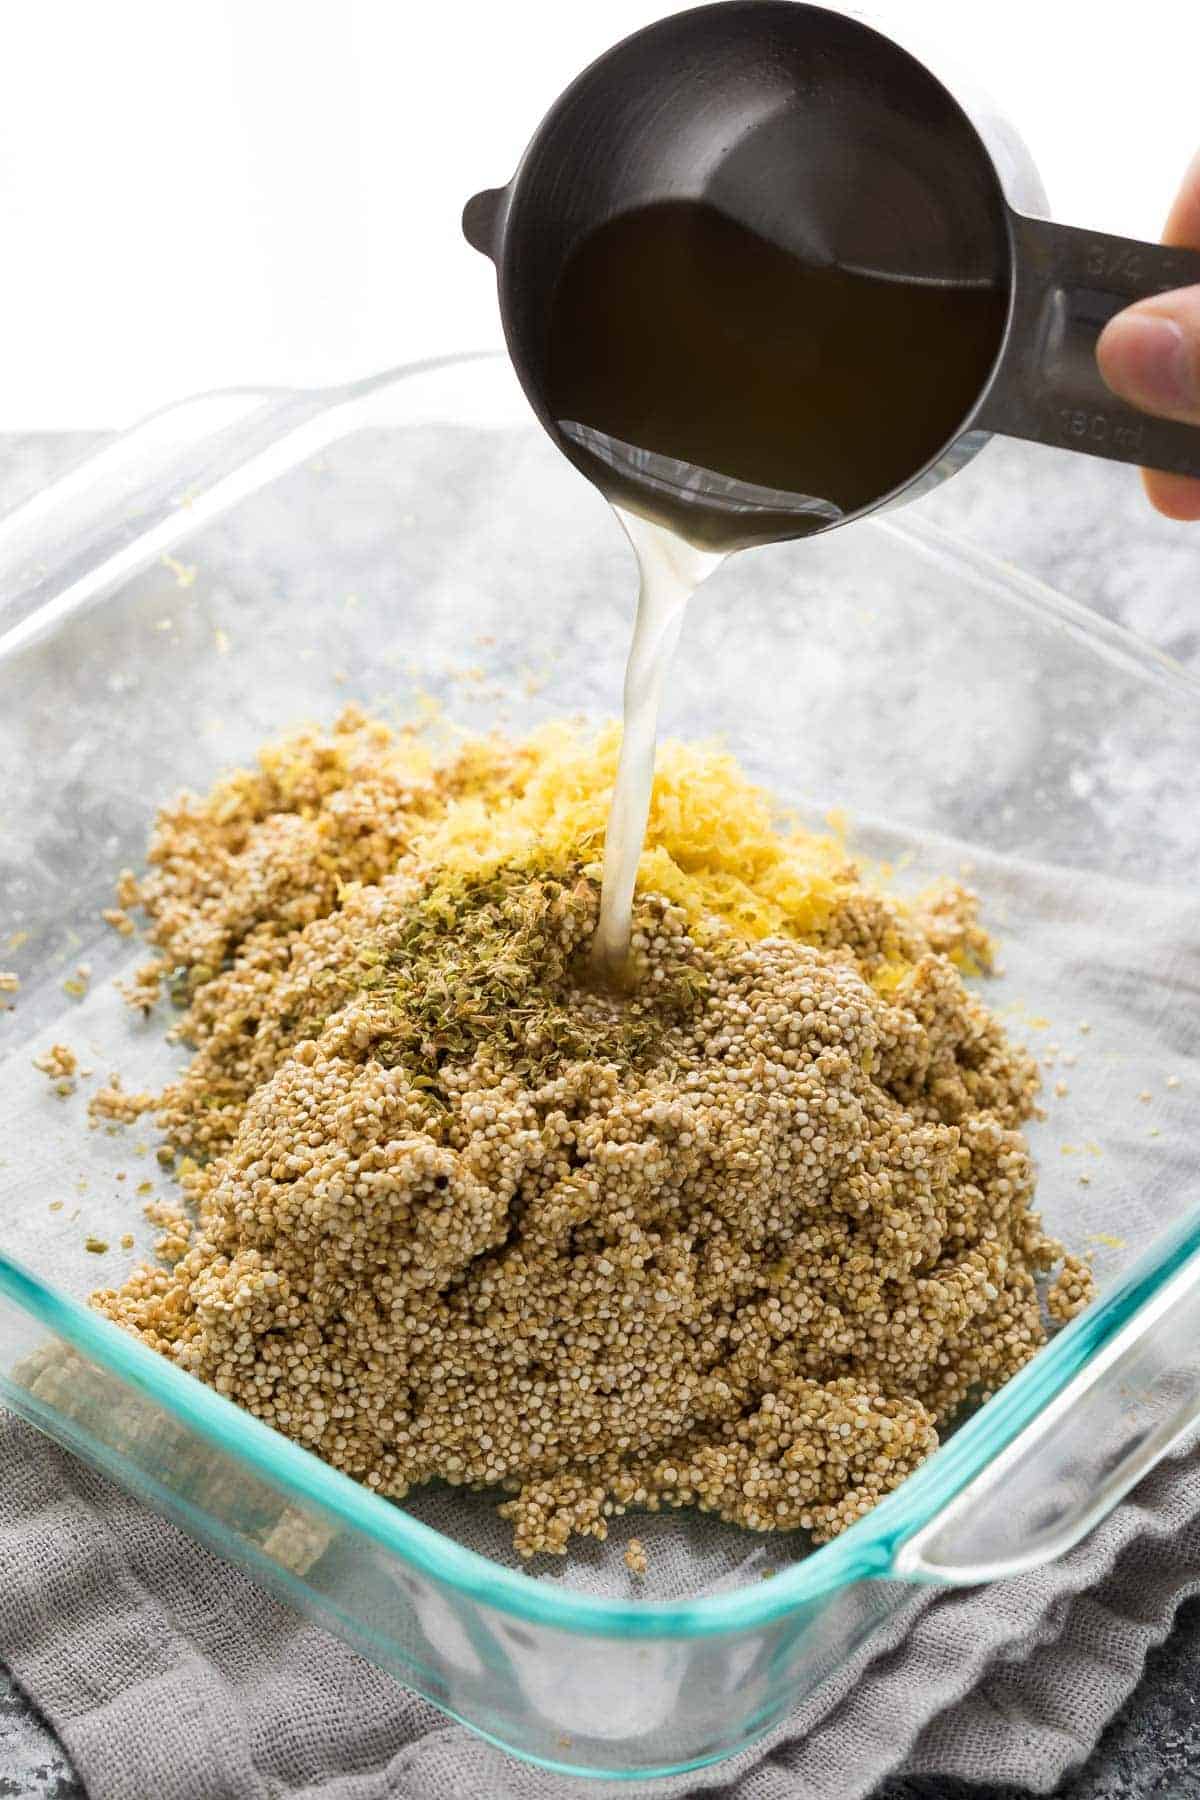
[(1150, 355)]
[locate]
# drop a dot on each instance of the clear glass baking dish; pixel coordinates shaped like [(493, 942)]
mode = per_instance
[(247, 560)]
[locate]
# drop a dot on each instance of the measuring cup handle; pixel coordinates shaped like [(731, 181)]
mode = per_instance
[(1067, 284)]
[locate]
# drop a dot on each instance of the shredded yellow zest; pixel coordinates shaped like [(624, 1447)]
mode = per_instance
[(717, 845), (712, 846)]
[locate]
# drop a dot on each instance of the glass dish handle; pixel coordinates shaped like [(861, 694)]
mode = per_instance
[(144, 492), (1133, 1402), (150, 488)]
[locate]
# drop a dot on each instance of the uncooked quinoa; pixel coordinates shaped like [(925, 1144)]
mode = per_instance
[(744, 1238)]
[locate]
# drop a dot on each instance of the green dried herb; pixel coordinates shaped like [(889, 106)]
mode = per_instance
[(500, 962)]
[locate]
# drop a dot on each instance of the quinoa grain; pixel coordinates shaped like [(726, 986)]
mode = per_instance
[(635, 1557), (60, 1064), (743, 1239)]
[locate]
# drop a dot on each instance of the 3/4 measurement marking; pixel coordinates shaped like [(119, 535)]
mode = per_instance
[(1115, 262), (1133, 271), (1098, 428)]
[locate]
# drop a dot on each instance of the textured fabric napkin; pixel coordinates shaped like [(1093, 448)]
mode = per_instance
[(170, 1676)]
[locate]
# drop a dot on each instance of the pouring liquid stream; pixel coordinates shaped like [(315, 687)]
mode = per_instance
[(669, 572)]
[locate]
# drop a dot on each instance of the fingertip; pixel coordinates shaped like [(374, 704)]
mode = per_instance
[(1183, 222), (1144, 358), (1174, 496)]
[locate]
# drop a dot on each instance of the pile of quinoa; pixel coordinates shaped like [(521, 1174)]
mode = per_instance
[(744, 1239)]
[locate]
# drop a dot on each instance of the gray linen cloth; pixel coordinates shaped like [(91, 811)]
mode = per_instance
[(171, 1676)]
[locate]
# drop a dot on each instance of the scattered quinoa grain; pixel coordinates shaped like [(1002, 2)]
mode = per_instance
[(635, 1557), (113, 1104), (59, 1064), (96, 1245)]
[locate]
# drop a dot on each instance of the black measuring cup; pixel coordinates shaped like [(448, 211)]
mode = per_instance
[(831, 142)]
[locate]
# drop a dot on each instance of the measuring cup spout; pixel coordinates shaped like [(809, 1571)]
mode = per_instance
[(481, 220)]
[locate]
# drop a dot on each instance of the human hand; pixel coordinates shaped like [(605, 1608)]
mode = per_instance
[(1150, 355)]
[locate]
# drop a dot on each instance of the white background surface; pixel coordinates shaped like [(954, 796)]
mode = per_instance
[(268, 191)]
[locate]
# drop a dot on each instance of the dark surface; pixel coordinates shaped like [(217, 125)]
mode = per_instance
[(1151, 1748), (1081, 525), (31, 1760)]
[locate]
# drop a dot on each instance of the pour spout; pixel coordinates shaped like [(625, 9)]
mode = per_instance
[(480, 219)]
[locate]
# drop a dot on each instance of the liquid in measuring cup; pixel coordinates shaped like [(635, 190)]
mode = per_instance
[(754, 395)]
